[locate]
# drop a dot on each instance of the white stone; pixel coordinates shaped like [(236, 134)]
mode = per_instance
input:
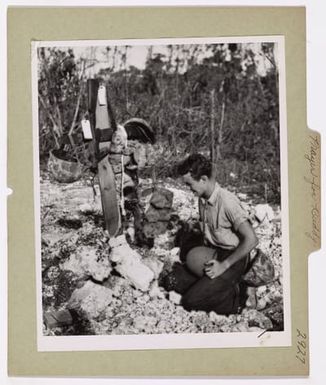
[(269, 298), (130, 264), (155, 265), (85, 208), (137, 293), (172, 255), (226, 328), (256, 329), (139, 275), (140, 323), (131, 233), (163, 241), (175, 252), (277, 294), (86, 262), (217, 318), (264, 212), (261, 290), (146, 298), (118, 241), (91, 298), (240, 327), (261, 304), (174, 297), (251, 301), (156, 291)]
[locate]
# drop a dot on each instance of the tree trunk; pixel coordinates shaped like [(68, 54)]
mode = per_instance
[(220, 134), (212, 150)]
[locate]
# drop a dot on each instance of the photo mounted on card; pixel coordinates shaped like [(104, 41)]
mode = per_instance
[(162, 219), (166, 192)]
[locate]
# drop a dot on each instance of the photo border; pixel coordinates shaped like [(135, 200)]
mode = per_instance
[(169, 341)]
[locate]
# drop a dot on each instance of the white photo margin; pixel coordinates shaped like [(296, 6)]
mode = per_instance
[(167, 341)]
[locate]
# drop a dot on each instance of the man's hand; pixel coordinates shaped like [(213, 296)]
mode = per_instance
[(214, 268)]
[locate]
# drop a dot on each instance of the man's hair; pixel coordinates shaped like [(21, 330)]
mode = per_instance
[(197, 165)]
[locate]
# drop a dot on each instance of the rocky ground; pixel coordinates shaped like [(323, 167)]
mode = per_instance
[(80, 273)]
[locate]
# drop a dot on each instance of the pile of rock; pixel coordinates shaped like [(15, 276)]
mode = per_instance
[(159, 212)]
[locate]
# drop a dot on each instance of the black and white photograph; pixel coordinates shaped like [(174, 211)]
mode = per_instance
[(161, 194)]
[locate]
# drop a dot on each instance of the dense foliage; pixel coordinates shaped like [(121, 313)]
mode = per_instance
[(61, 94), (213, 99)]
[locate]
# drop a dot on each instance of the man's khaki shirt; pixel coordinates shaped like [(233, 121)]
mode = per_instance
[(220, 217)]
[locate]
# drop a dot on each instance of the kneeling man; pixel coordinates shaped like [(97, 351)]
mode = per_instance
[(212, 272)]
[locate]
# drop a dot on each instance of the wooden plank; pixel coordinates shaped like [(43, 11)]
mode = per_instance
[(109, 199), (103, 125)]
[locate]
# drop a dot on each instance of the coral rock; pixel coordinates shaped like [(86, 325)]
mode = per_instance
[(256, 329), (264, 212), (129, 264), (256, 318), (216, 318), (155, 265), (155, 291), (162, 198), (175, 297), (86, 262), (240, 327), (91, 298), (261, 304), (157, 215), (152, 229)]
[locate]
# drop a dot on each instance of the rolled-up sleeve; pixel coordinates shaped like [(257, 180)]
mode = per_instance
[(235, 213)]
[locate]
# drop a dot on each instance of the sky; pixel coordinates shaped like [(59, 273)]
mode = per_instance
[(137, 55)]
